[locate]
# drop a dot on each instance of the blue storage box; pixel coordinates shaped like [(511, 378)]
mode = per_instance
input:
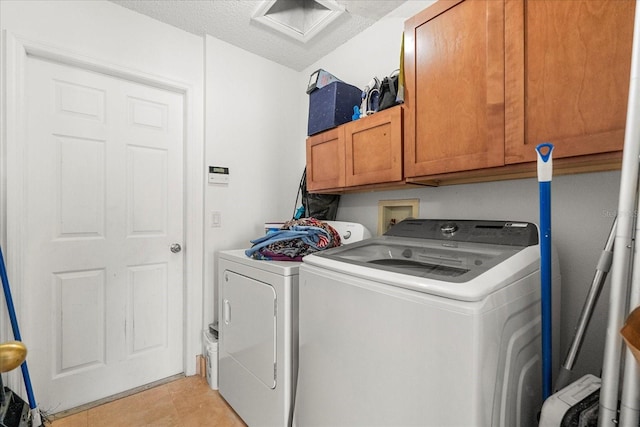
[(332, 105)]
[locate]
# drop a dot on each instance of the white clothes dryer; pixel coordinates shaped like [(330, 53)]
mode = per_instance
[(434, 324), (258, 332)]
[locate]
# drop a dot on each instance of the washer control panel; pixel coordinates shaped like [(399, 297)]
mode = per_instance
[(510, 233)]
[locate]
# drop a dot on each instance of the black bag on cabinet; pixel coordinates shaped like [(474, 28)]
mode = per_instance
[(389, 91)]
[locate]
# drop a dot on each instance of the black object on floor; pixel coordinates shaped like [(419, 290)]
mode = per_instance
[(14, 412)]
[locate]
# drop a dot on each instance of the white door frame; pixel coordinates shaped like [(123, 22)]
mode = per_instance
[(12, 179)]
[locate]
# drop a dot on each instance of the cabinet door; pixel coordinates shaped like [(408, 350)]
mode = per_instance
[(325, 160), (567, 76), (373, 147), (454, 102)]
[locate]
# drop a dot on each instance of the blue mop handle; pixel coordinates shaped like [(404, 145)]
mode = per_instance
[(16, 330), (545, 172)]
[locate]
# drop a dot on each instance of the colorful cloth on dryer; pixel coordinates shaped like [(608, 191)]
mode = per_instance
[(295, 239)]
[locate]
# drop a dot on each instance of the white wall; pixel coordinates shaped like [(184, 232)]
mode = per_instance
[(105, 33), (374, 52), (253, 123), (583, 205)]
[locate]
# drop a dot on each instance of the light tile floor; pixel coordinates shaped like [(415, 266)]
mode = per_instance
[(186, 402)]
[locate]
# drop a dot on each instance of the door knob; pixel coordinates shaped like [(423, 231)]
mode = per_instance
[(175, 248)]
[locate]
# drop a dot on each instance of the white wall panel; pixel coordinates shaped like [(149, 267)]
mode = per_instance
[(253, 109)]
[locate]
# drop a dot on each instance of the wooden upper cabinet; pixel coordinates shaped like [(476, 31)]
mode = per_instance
[(362, 152), (567, 76), (486, 81), (454, 97), (325, 160), (374, 148)]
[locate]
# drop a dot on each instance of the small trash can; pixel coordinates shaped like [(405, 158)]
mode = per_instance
[(211, 357)]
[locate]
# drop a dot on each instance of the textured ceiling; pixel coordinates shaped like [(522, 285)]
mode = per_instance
[(230, 20)]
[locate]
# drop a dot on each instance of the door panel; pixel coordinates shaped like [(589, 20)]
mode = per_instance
[(373, 148), (249, 325), (571, 93), (104, 197), (146, 210), (82, 187), (325, 160), (454, 118), (148, 296), (80, 336)]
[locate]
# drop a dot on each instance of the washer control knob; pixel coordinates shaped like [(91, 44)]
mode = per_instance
[(449, 228)]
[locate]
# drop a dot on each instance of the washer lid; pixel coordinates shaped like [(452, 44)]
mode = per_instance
[(455, 263), (449, 251)]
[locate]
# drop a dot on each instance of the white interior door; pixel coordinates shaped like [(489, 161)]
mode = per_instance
[(103, 292)]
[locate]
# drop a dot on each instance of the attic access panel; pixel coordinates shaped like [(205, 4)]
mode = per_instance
[(298, 19)]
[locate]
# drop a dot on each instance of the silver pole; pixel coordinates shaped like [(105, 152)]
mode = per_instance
[(602, 270), (620, 268), (630, 401)]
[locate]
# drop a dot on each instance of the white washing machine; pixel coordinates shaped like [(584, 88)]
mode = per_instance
[(436, 323), (258, 332)]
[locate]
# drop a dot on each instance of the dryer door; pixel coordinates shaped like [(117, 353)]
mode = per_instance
[(249, 325)]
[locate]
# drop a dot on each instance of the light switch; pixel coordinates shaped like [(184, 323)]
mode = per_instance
[(216, 219)]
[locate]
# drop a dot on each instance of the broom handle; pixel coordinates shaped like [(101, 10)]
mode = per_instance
[(623, 243), (16, 330), (545, 172)]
